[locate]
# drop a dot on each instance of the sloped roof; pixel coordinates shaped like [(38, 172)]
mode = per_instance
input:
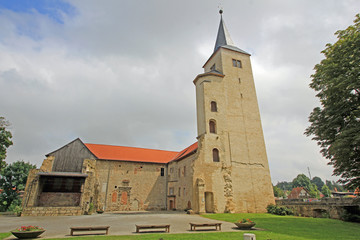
[(186, 152), (295, 193), (133, 154)]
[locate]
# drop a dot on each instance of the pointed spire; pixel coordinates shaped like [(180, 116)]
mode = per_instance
[(223, 36)]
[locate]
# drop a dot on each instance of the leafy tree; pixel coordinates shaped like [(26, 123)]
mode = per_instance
[(326, 191), (303, 181), (5, 140), (12, 180), (284, 185), (318, 182), (278, 192), (336, 124)]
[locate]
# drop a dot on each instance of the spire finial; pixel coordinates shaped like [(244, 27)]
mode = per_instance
[(220, 7)]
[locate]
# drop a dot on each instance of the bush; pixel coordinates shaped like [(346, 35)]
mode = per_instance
[(279, 210)]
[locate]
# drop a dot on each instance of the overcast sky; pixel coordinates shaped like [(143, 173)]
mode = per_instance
[(120, 72)]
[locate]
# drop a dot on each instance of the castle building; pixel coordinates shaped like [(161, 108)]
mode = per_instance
[(226, 170)]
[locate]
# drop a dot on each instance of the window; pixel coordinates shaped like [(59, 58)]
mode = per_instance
[(179, 191), (212, 126), (184, 171), (171, 170), (179, 173), (184, 192), (237, 63), (171, 191), (213, 106), (216, 157), (162, 173), (212, 68)]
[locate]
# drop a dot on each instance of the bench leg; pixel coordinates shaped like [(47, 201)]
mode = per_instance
[(71, 232)]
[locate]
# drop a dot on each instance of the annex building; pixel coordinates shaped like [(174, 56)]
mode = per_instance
[(225, 170)]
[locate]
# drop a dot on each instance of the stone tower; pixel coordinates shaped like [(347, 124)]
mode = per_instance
[(231, 173)]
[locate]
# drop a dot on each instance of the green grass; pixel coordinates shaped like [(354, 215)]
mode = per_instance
[(275, 228), (290, 227), (4, 235)]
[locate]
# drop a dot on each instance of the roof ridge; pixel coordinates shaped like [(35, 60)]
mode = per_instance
[(111, 145)]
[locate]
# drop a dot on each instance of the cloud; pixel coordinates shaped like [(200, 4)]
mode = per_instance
[(121, 72)]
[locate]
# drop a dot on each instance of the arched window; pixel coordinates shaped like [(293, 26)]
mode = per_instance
[(212, 126), (213, 106), (216, 157)]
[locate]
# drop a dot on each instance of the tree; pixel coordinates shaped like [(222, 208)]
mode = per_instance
[(5, 140), (318, 182), (336, 124), (303, 181), (326, 191), (284, 185), (12, 180), (278, 192)]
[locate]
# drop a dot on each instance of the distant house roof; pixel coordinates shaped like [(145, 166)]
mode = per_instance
[(133, 154), (298, 192)]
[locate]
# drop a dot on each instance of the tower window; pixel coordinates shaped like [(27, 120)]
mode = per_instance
[(216, 157), (162, 173), (213, 106), (237, 63), (212, 126), (212, 68)]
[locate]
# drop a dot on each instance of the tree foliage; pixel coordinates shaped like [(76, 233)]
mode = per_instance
[(5, 140), (326, 191), (278, 192), (303, 181), (12, 180), (284, 185), (318, 182), (336, 124)]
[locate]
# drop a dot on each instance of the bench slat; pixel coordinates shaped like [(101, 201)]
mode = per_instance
[(92, 228), (138, 227), (193, 226)]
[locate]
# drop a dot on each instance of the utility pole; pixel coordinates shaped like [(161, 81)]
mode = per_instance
[(309, 172)]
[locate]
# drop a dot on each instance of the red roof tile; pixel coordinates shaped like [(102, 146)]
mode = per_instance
[(186, 152), (109, 152)]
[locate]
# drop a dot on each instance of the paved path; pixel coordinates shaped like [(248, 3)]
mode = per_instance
[(120, 223)]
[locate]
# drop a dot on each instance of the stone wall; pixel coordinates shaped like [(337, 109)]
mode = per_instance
[(326, 207), (51, 211), (240, 181), (180, 179), (130, 186)]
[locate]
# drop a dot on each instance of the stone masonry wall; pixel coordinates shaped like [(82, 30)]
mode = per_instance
[(52, 211), (130, 186)]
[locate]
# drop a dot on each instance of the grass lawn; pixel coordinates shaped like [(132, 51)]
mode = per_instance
[(290, 227), (276, 228)]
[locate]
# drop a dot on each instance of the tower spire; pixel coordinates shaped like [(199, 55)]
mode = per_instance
[(223, 36)]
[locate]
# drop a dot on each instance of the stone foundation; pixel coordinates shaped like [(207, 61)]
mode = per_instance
[(51, 211)]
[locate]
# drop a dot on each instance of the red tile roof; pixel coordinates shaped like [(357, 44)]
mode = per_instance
[(295, 192), (187, 151), (109, 152)]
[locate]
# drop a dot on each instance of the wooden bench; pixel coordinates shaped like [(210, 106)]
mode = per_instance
[(193, 226), (93, 228), (166, 227)]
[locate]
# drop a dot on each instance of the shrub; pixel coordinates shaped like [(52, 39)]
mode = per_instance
[(279, 210)]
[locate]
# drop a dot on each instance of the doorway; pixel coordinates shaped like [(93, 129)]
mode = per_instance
[(209, 202)]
